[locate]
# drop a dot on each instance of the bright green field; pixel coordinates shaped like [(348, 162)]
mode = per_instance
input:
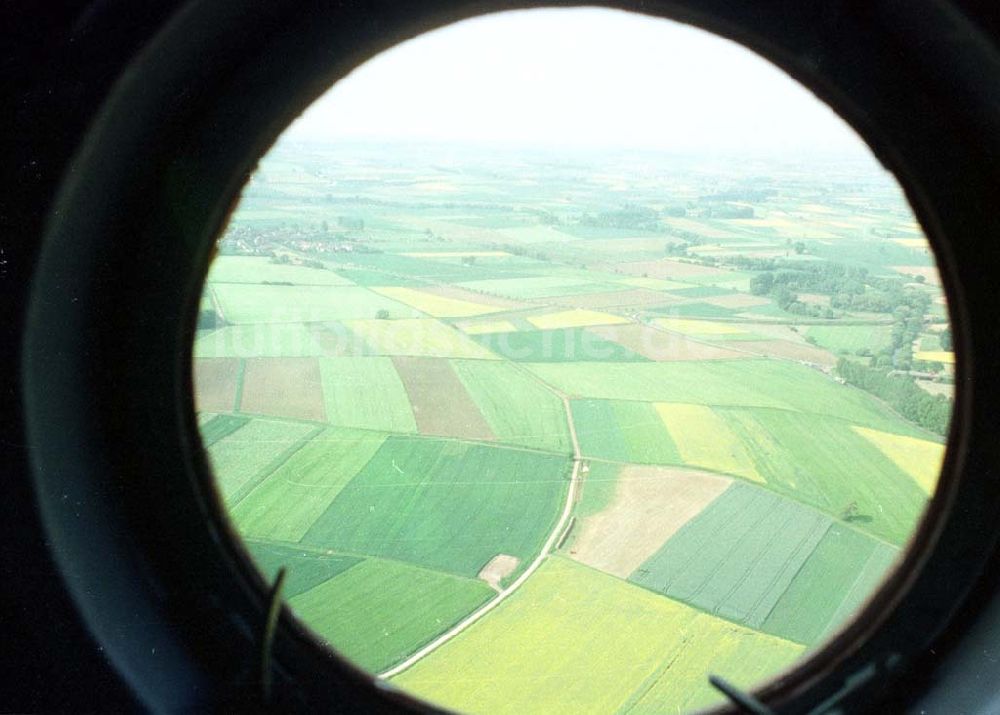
[(262, 340), (254, 269), (823, 462), (566, 345), (623, 432), (378, 612), (517, 407), (744, 382), (737, 557), (365, 392), (294, 495), (844, 566), (446, 505), (303, 569), (850, 338), (242, 303), (254, 450), (556, 646)]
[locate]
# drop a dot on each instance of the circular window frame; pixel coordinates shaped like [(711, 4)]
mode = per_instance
[(123, 484)]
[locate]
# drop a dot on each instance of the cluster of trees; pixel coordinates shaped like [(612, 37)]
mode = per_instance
[(632, 216), (728, 211), (284, 260), (772, 284), (849, 287), (745, 193), (518, 249), (901, 392)]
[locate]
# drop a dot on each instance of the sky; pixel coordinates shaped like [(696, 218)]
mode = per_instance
[(584, 77)]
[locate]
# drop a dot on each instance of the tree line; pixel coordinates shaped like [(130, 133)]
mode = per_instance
[(901, 392)]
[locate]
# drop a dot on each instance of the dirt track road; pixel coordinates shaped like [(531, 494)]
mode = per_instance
[(506, 593)]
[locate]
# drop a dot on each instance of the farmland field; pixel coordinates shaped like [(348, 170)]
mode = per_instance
[(445, 505), (365, 392), (403, 606), (535, 432), (588, 657)]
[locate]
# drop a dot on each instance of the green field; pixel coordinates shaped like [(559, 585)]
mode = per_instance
[(220, 426), (518, 408), (557, 645), (823, 462), (254, 451), (566, 345), (836, 578), (850, 338), (378, 612), (445, 505), (418, 337), (420, 456), (743, 382), (623, 432), (365, 392), (304, 569), (243, 303), (737, 557), (253, 269), (261, 340), (294, 495)]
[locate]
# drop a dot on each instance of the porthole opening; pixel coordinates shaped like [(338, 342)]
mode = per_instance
[(569, 380)]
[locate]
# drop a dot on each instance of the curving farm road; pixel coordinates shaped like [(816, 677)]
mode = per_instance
[(504, 594)]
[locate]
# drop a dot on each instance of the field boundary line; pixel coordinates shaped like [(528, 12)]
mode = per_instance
[(507, 592)]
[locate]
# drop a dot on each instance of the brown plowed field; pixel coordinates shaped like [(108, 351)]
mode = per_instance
[(662, 346), (283, 387), (671, 269), (649, 506), (441, 406), (215, 384)]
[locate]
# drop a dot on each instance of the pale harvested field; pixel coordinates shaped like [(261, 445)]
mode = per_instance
[(789, 350), (441, 406), (283, 387), (650, 504), (456, 293), (671, 269), (498, 568), (693, 326), (928, 272), (215, 384), (943, 356), (736, 300), (662, 346), (574, 319), (495, 326), (637, 296), (913, 242)]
